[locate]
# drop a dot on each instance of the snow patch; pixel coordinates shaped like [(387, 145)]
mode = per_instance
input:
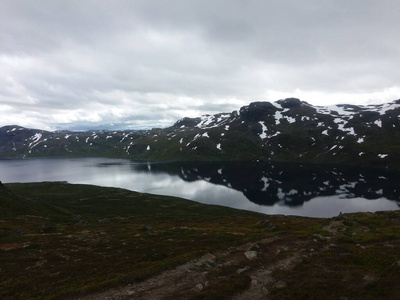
[(264, 129)]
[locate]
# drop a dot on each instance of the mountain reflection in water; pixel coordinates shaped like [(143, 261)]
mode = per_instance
[(270, 188), (287, 184)]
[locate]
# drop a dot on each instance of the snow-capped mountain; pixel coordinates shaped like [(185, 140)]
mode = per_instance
[(286, 130)]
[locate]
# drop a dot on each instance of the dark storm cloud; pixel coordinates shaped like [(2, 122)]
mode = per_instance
[(117, 62)]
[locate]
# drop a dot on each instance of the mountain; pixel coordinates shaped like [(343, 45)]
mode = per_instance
[(286, 130)]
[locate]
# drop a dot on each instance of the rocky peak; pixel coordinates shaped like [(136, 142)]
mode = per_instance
[(187, 122), (257, 111), (289, 102)]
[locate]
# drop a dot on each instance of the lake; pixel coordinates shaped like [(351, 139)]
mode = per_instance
[(269, 188)]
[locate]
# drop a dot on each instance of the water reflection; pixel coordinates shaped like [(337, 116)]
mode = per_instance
[(288, 184), (284, 188)]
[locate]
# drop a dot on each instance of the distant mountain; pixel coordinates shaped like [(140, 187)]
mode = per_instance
[(286, 130)]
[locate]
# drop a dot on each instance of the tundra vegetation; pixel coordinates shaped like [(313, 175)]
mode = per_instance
[(60, 240)]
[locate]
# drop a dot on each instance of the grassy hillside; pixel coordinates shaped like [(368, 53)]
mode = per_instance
[(60, 240)]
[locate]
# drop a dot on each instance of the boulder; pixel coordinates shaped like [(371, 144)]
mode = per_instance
[(250, 255)]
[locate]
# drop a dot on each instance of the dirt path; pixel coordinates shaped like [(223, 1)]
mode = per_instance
[(254, 262)]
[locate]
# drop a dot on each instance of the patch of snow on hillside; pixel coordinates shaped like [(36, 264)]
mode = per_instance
[(325, 132), (124, 137), (36, 137), (383, 108), (360, 140), (206, 120), (219, 146), (181, 141), (278, 116), (382, 155), (222, 118), (127, 148), (290, 119), (148, 147), (35, 140), (206, 135), (332, 148), (264, 129), (341, 110), (277, 105), (378, 123), (226, 127), (275, 134)]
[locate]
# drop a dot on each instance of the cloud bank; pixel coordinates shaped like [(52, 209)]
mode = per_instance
[(142, 64)]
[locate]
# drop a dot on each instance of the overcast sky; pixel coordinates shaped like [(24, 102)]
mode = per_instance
[(142, 64)]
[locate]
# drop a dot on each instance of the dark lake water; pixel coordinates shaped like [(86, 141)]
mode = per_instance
[(270, 188)]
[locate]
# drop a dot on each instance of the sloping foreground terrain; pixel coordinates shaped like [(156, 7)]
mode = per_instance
[(63, 241), (286, 130)]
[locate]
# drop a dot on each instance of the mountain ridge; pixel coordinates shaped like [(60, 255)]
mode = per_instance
[(285, 130)]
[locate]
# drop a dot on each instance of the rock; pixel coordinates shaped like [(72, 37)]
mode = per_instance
[(369, 116), (250, 255), (321, 237), (147, 228), (280, 284), (257, 111), (240, 271), (199, 286), (267, 224), (187, 122), (289, 102)]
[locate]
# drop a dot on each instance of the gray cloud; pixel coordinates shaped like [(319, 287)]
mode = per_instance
[(65, 64)]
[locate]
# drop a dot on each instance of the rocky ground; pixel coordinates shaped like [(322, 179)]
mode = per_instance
[(271, 269)]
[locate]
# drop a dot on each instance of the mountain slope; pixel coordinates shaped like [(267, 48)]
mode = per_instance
[(287, 130)]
